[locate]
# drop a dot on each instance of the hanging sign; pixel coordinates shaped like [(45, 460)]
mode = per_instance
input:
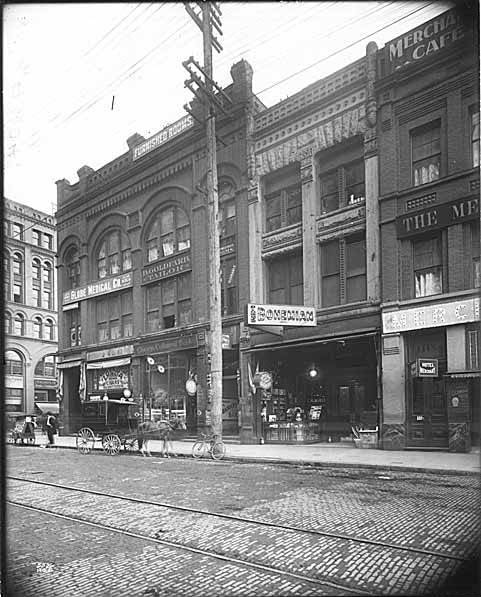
[(427, 368), (263, 380)]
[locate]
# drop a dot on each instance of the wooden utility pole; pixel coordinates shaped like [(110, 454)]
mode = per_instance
[(206, 89)]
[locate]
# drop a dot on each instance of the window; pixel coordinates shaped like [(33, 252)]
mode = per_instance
[(114, 255), (36, 269), (72, 269), (17, 272), (286, 280), (42, 291), (428, 267), (228, 268), (8, 322), (47, 241), (72, 318), (8, 276), (37, 238), (16, 231), (46, 367), (472, 347), (476, 273), (19, 325), (283, 198), (343, 270), (475, 138), (342, 186), (426, 154), (48, 330), (169, 303), (13, 363), (115, 317), (37, 327), (169, 233)]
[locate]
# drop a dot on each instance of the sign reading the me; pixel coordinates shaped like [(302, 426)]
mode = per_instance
[(166, 269), (436, 34), (288, 315), (162, 137), (440, 216), (98, 288)]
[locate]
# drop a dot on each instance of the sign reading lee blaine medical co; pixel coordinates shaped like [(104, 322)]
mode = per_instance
[(162, 137), (434, 35), (97, 288), (284, 315)]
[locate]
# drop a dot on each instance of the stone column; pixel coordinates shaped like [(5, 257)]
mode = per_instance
[(393, 427), (256, 278)]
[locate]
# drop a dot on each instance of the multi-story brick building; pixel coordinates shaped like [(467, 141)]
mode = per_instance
[(428, 121), (133, 269), (314, 237), (30, 309)]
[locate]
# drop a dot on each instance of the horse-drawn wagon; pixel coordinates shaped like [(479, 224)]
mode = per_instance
[(21, 428)]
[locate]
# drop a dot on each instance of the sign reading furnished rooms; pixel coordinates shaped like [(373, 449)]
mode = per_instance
[(104, 286), (284, 315)]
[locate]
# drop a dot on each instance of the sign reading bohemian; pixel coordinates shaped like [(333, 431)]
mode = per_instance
[(281, 315), (162, 137), (97, 288)]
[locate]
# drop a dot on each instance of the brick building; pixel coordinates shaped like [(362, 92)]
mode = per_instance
[(314, 237), (30, 309), (428, 117), (133, 249)]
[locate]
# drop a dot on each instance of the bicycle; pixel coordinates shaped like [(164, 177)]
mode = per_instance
[(211, 444)]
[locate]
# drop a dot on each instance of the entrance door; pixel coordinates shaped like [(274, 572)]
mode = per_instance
[(427, 414)]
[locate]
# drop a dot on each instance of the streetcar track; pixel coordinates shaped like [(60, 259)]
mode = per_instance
[(232, 517), (196, 550)]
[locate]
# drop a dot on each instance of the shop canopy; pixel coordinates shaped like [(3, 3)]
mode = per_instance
[(46, 407), (109, 364)]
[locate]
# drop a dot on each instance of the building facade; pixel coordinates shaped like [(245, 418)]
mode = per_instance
[(428, 131), (133, 269), (30, 309), (314, 241)]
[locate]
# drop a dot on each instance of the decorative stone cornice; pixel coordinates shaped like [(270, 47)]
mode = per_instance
[(285, 239), (341, 223)]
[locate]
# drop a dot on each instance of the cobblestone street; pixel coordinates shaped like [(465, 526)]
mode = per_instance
[(350, 531)]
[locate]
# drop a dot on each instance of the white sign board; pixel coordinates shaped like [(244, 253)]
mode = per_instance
[(284, 315), (431, 316)]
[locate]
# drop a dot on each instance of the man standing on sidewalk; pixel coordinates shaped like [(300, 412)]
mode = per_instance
[(51, 429)]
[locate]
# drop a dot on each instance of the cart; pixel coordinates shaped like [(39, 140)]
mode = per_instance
[(21, 428), (112, 422)]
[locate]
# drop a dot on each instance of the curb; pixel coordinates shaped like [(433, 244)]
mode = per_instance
[(306, 463)]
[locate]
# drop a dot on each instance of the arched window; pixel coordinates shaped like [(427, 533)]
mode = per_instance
[(13, 363), (17, 272), (8, 322), (72, 268), (48, 330), (37, 327), (114, 255), (19, 325), (47, 291), (46, 367), (168, 233), (8, 275), (36, 282)]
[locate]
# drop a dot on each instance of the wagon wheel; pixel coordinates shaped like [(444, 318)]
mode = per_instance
[(85, 440), (131, 445), (111, 444)]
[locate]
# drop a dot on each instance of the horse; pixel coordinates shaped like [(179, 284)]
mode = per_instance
[(161, 430)]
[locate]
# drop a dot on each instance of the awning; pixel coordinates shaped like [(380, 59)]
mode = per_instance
[(45, 407), (464, 374), (109, 364), (68, 364), (307, 342)]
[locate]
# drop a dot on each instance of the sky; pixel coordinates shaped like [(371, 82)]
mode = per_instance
[(79, 79)]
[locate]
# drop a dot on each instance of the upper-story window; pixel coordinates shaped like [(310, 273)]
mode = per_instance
[(169, 303), (426, 153), (342, 186), (228, 229), (48, 330), (472, 346), (37, 238), (7, 272), (283, 199), (37, 327), (72, 269), (476, 272), (72, 324), (343, 270), (286, 280), (16, 230), (475, 137), (428, 271), (114, 255), (42, 286), (46, 367), (47, 241), (17, 272), (13, 363), (168, 233), (19, 325), (8, 322), (115, 317)]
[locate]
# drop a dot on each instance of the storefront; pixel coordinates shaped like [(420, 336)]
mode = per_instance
[(315, 390)]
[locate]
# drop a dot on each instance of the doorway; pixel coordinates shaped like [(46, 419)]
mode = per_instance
[(427, 413)]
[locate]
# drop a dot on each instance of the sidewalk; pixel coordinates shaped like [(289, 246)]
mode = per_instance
[(319, 455)]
